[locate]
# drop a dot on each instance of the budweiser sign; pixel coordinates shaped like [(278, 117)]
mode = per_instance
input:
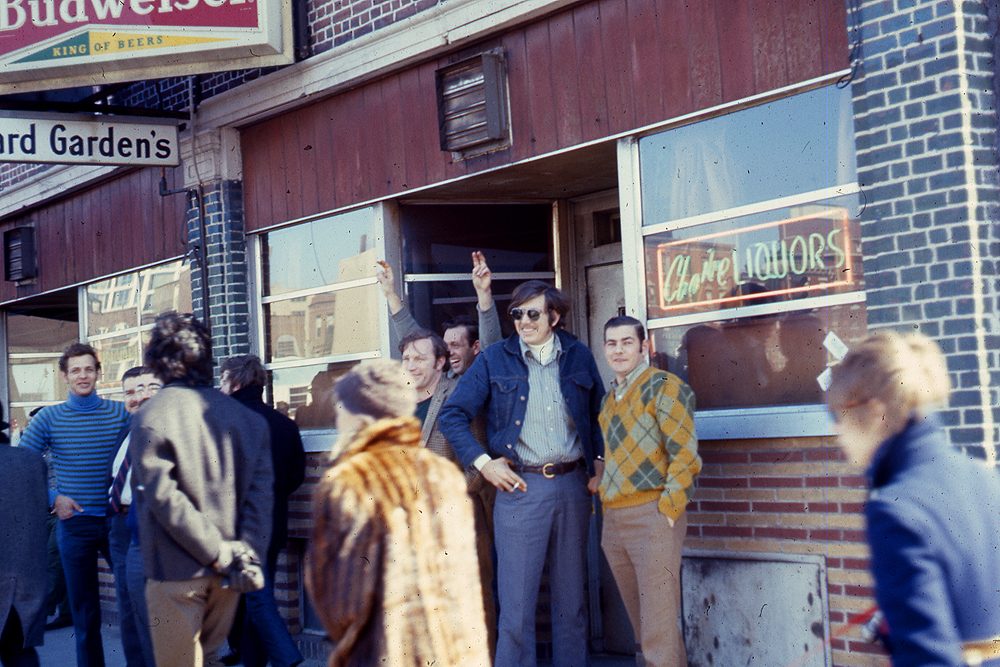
[(60, 43)]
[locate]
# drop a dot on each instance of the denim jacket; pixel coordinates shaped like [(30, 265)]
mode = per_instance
[(497, 383)]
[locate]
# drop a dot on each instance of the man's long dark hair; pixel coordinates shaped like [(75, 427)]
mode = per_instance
[(180, 350)]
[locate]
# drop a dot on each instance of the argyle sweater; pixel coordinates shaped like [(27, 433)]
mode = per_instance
[(81, 434), (650, 444)]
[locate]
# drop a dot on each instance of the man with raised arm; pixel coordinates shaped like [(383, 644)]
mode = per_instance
[(541, 392), (464, 339)]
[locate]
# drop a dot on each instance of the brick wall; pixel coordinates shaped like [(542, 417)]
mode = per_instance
[(336, 22), (229, 311), (795, 496), (926, 129)]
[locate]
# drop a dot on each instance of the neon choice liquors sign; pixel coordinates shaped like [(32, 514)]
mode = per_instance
[(59, 43), (803, 254)]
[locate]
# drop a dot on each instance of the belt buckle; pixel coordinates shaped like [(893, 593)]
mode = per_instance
[(546, 470)]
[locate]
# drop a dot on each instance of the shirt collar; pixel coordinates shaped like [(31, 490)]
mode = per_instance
[(630, 378), (549, 351)]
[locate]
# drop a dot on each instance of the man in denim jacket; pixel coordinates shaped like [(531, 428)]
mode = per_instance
[(541, 393)]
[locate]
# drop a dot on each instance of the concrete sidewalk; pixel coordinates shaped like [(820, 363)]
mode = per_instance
[(60, 649)]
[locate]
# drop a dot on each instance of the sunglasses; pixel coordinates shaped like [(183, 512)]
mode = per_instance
[(517, 313)]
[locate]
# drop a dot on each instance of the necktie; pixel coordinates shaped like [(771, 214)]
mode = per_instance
[(115, 497)]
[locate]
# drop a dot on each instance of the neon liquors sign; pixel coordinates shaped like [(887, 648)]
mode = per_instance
[(60, 43), (797, 255)]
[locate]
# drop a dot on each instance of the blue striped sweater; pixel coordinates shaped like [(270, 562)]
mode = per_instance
[(81, 435)]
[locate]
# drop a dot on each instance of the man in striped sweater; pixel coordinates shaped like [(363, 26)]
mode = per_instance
[(81, 435), (652, 459)]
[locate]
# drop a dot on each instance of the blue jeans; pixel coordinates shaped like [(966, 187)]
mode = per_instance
[(547, 523), (135, 577), (119, 539), (265, 635), (81, 539)]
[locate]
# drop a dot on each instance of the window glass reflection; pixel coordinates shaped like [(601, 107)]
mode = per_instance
[(164, 288), (321, 252), (117, 355), (112, 305), (305, 394), (780, 255), (319, 325), (756, 361), (793, 145)]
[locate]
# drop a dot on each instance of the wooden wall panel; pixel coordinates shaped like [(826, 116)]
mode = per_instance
[(565, 85), (116, 225), (596, 69), (736, 51), (589, 72)]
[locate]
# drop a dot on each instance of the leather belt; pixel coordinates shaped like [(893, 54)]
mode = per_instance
[(550, 470)]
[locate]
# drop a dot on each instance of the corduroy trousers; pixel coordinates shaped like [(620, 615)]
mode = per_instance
[(644, 553)]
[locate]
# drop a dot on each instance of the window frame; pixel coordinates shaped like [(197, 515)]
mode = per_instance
[(756, 422), (383, 220), (140, 329)]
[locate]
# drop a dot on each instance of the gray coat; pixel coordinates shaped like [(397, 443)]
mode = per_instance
[(202, 474), (24, 504)]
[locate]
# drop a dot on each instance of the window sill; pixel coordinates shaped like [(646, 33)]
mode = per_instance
[(319, 440), (782, 421)]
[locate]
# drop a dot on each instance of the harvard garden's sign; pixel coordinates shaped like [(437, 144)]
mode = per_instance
[(46, 44)]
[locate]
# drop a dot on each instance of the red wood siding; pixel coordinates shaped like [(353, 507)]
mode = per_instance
[(599, 68), (114, 226)]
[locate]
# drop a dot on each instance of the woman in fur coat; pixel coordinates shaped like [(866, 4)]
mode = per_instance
[(392, 567)]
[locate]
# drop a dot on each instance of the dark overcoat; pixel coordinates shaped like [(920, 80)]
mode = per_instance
[(24, 504)]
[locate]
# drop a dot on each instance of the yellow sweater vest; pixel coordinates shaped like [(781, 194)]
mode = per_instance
[(650, 444)]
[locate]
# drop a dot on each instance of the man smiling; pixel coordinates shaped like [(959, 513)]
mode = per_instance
[(541, 392), (648, 423), (81, 434)]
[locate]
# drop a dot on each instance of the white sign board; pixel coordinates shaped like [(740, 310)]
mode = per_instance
[(74, 140)]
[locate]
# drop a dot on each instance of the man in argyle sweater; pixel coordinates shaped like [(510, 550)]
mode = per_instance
[(647, 420)]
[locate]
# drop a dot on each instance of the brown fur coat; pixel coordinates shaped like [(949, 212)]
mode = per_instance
[(392, 570)]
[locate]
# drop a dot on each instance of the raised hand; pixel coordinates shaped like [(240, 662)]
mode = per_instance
[(386, 280), (482, 280)]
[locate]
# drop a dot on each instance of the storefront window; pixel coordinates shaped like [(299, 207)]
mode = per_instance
[(122, 309), (320, 306), (752, 249)]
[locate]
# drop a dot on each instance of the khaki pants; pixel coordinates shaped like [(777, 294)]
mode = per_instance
[(189, 619), (644, 553)]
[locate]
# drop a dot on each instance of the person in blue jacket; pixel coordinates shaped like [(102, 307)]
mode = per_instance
[(541, 393), (933, 514)]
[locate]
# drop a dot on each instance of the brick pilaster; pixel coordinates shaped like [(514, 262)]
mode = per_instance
[(229, 311), (926, 129)]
